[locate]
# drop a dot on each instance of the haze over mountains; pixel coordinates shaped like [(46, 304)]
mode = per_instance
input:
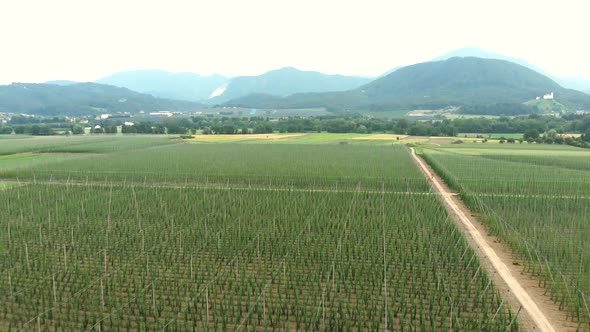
[(460, 81), (438, 84), (287, 81), (165, 84), (217, 89), (282, 82), (453, 79), (81, 99), (576, 83)]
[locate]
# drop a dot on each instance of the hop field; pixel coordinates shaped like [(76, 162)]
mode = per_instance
[(78, 144), (538, 201), (236, 237)]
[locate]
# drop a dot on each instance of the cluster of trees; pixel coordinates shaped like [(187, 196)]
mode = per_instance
[(545, 129), (364, 124), (36, 130), (110, 129), (21, 119), (507, 109)]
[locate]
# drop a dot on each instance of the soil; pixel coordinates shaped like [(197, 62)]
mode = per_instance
[(539, 312)]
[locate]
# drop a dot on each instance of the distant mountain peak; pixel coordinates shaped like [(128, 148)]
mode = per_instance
[(165, 84), (477, 52), (285, 81), (81, 99)]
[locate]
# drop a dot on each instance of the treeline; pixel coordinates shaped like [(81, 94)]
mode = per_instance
[(364, 124), (506, 109), (212, 125)]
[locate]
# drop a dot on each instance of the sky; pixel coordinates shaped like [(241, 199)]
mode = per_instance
[(83, 40)]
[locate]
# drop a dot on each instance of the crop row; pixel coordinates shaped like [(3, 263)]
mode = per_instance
[(301, 166), (112, 256), (336, 258), (539, 208)]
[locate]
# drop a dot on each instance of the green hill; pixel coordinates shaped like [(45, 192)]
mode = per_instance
[(453, 82), (460, 81), (576, 83), (547, 105), (80, 99), (287, 81)]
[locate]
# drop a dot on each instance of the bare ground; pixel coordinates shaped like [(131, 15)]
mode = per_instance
[(538, 312)]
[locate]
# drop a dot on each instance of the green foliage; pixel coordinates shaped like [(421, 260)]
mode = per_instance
[(505, 109), (531, 134), (77, 130), (230, 237), (434, 85), (80, 99), (175, 129), (548, 105), (78, 144), (535, 198)]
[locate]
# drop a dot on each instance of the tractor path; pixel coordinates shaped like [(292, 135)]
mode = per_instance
[(538, 312)]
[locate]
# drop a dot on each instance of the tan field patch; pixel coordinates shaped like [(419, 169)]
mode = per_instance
[(242, 137), (381, 137)]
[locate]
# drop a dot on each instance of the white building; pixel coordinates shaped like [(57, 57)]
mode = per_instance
[(548, 96), (161, 113)]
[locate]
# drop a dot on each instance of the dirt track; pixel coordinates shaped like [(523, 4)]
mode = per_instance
[(537, 313)]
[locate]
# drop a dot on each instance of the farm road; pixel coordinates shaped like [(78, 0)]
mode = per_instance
[(496, 259)]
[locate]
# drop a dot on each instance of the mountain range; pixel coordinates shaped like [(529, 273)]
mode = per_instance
[(217, 89), (576, 83), (287, 81), (81, 99), (456, 81), (165, 84), (463, 77)]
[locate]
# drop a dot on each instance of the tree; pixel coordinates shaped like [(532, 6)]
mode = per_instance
[(228, 129), (263, 128), (552, 133), (532, 134), (41, 130), (77, 130), (110, 129), (174, 129), (98, 130), (128, 129)]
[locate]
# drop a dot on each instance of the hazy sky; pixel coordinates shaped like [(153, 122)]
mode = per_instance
[(83, 40)]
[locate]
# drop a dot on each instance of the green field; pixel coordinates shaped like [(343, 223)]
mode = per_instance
[(79, 144), (160, 234), (536, 198)]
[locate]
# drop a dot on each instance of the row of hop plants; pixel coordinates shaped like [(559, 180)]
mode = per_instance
[(79, 144), (544, 221), (239, 166), (116, 257)]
